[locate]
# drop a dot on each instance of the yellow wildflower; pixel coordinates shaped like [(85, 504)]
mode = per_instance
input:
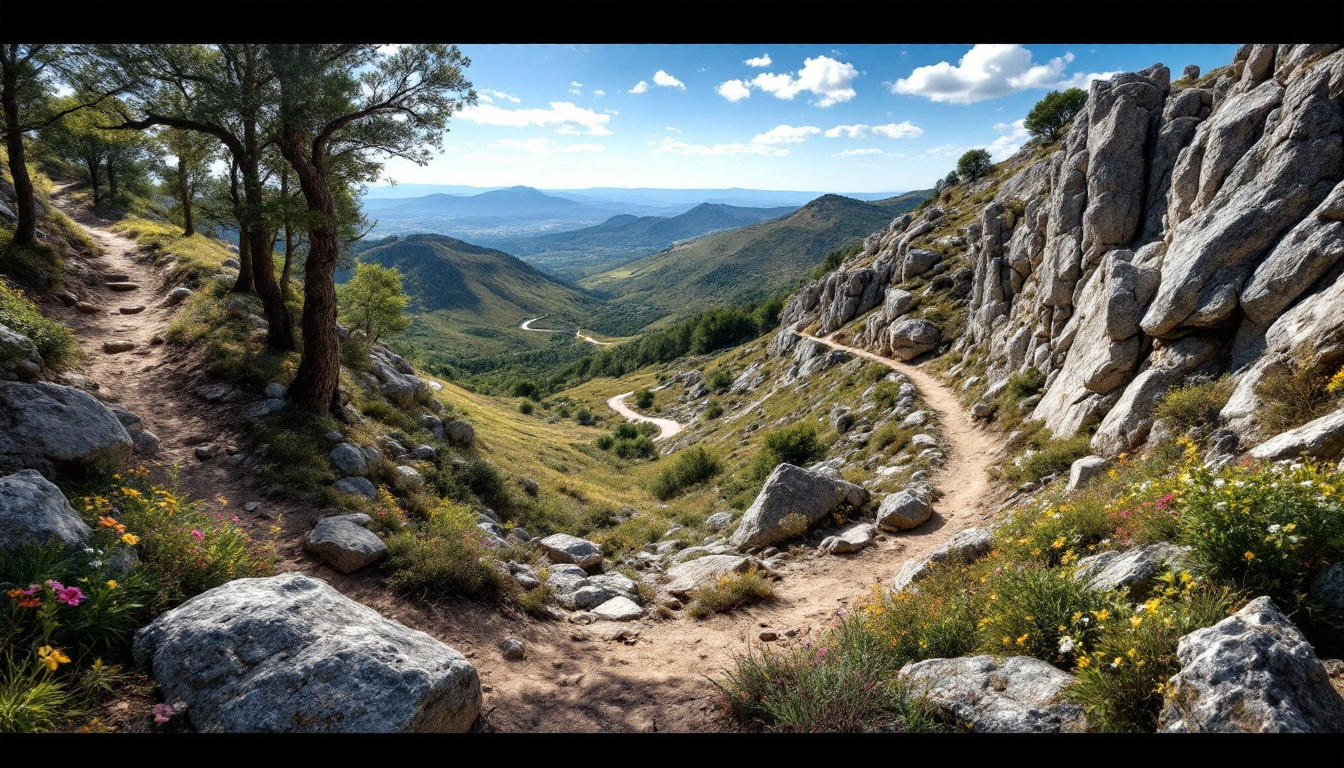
[(1136, 620), (51, 657), (111, 583), (1249, 555), (1023, 639), (130, 539)]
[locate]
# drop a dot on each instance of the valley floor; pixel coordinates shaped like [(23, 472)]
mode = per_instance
[(651, 675)]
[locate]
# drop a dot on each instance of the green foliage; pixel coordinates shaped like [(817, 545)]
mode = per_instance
[(730, 592), (690, 468), (974, 164), (637, 448), (935, 621), (1024, 384), (525, 407), (373, 301), (833, 261), (1048, 456), (890, 436), (54, 341), (1032, 608), (1051, 114), (585, 417), (1194, 405), (355, 349), (1265, 528), (844, 685), (713, 410), (642, 398), (445, 556), (719, 378), (796, 444), (885, 394), (1295, 392)]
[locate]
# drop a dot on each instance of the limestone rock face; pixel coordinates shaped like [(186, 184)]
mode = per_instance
[(1322, 438), (52, 428), (34, 511), (1019, 694), (290, 654), (1252, 672), (793, 491)]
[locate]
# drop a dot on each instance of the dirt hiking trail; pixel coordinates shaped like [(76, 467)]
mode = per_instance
[(649, 675)]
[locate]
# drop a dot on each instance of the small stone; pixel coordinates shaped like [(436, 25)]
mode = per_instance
[(252, 506), (132, 310), (513, 649), (768, 635), (87, 308), (123, 286), (113, 346), (206, 452), (176, 296)]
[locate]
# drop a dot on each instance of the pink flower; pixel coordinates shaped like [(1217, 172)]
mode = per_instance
[(163, 713), (55, 585), (196, 534), (70, 595)]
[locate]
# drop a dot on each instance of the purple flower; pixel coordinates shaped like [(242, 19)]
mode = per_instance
[(163, 713), (196, 534)]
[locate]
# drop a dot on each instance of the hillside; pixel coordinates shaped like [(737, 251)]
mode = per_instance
[(743, 264), (575, 254), (486, 217), (468, 301)]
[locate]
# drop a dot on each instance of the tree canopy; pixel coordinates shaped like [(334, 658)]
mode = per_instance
[(373, 300), (974, 164), (1047, 119)]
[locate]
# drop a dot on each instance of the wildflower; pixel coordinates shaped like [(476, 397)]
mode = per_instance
[(1084, 662), (1065, 644), (31, 602), (163, 713), (111, 583), (14, 592), (1023, 639), (1249, 555), (130, 539), (196, 534), (70, 596), (51, 657), (1275, 528)]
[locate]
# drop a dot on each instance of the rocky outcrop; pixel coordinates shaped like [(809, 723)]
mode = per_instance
[(1019, 694), (291, 654), (791, 501), (1132, 570), (1252, 672), (56, 429)]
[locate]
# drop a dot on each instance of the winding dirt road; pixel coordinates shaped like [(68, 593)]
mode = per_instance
[(578, 332), (668, 426)]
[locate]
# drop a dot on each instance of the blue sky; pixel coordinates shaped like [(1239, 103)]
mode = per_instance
[(828, 118)]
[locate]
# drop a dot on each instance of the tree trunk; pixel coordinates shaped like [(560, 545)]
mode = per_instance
[(244, 282), (25, 201), (280, 324), (95, 179), (316, 381), (184, 193)]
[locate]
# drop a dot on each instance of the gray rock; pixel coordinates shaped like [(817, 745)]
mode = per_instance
[(852, 539), (52, 428), (409, 477), (231, 263), (912, 337), (34, 511), (291, 654), (1084, 470), (1132, 570), (275, 390), (460, 434), (529, 486), (15, 347), (145, 443), (264, 408), (719, 521), (345, 543), (563, 548), (686, 578), (966, 545), (1321, 438), (349, 460), (1019, 694), (176, 296), (618, 609), (512, 649), (902, 511), (1252, 672), (356, 486), (1328, 587), (792, 491)]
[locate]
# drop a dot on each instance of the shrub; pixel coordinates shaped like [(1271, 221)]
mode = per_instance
[(731, 592), (373, 300), (55, 342), (643, 398), (796, 444), (888, 435), (604, 442), (691, 467), (525, 407), (585, 417), (713, 410), (935, 620), (1054, 457), (1024, 384), (885, 394), (1294, 393), (719, 378), (626, 431), (355, 349), (446, 556), (635, 448), (1194, 405), (1031, 609)]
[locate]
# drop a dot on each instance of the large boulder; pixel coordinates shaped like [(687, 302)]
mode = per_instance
[(790, 502), (563, 548), (1322, 438), (291, 654), (54, 429), (1019, 694), (903, 510), (345, 543), (686, 578), (33, 511), (1252, 672)]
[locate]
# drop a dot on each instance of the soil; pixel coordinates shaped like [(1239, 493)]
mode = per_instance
[(573, 679)]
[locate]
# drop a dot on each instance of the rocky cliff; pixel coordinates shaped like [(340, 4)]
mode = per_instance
[(1181, 229)]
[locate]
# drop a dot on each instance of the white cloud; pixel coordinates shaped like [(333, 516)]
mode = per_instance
[(640, 87), (667, 81), (599, 92), (985, 72), (758, 61), (902, 130), (489, 96), (734, 90), (562, 114), (714, 150), (544, 146), (1011, 138), (1084, 79), (785, 134), (672, 129), (576, 88), (823, 76), (858, 152)]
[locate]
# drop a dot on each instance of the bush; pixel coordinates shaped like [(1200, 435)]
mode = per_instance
[(525, 407), (1194, 405), (732, 591), (1025, 384), (888, 435), (55, 342), (604, 442), (643, 398), (635, 448), (691, 467), (796, 444), (1031, 609), (719, 378), (446, 556), (1047, 119), (585, 417), (974, 164), (1294, 393), (373, 301), (713, 410), (885, 394)]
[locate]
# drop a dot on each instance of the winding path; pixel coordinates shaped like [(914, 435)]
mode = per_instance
[(668, 426), (578, 332)]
